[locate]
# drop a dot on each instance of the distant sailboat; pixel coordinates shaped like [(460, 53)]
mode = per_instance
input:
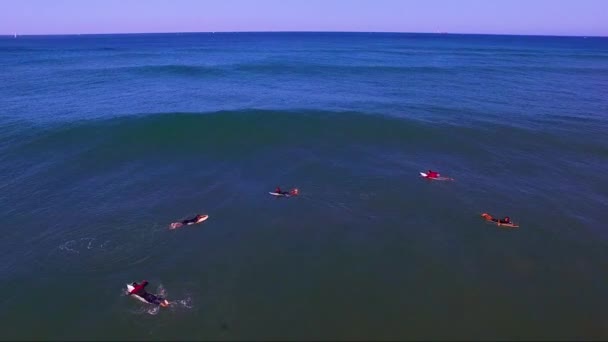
[(15, 35)]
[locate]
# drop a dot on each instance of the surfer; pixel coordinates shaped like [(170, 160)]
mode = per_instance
[(140, 290), (504, 221), (432, 174), (196, 219), (292, 192)]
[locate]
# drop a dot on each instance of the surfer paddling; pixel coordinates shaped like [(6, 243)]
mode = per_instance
[(434, 175), (195, 220), (506, 221), (292, 192), (140, 291)]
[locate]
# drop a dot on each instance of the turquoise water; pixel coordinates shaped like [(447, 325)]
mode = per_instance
[(107, 139)]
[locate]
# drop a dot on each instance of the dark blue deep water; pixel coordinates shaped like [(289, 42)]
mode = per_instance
[(105, 140)]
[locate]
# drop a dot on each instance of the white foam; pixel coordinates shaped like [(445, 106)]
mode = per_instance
[(83, 244), (153, 310), (183, 303)]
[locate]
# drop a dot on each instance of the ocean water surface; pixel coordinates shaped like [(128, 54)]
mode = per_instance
[(107, 139)]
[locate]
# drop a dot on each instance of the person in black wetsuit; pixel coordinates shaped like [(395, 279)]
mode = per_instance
[(139, 289), (292, 192), (197, 219), (194, 220), (505, 220)]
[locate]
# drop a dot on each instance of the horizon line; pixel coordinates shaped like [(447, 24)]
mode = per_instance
[(280, 31)]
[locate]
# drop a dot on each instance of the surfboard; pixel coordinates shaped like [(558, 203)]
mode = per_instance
[(176, 225), (505, 225), (279, 195)]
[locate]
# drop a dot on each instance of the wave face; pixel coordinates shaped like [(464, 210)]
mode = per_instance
[(106, 140)]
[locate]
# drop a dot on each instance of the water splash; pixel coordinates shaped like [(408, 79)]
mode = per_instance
[(182, 303), (174, 303), (153, 310), (82, 245)]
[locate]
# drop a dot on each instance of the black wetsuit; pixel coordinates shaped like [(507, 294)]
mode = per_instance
[(150, 298), (190, 221)]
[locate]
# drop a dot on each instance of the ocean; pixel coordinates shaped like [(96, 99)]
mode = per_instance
[(107, 139)]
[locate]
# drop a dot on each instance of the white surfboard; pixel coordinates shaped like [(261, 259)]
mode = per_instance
[(278, 194)]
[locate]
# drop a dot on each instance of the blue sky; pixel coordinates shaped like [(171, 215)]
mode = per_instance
[(544, 17)]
